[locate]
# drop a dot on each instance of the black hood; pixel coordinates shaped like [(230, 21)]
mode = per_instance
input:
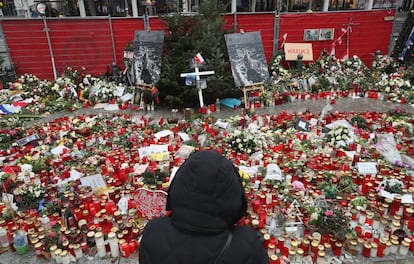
[(206, 194)]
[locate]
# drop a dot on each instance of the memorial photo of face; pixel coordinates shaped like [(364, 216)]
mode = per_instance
[(311, 35), (326, 34)]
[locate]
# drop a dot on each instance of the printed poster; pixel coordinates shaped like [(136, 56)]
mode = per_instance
[(147, 56), (247, 58)]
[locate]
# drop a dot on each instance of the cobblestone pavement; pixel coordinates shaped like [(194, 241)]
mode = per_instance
[(342, 105)]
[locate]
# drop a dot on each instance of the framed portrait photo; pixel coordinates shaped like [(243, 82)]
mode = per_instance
[(311, 34), (326, 34)]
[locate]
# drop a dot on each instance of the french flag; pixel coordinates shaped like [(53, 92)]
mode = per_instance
[(198, 59)]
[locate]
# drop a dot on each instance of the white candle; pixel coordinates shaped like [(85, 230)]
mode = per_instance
[(113, 244), (100, 244)]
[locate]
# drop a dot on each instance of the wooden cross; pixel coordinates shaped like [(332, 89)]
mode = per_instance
[(197, 74), (348, 30)]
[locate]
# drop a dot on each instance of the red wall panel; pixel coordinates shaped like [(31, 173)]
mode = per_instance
[(369, 33), (87, 42)]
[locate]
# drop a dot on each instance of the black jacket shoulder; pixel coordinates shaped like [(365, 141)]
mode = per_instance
[(163, 243)]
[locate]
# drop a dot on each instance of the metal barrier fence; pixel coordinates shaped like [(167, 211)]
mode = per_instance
[(124, 8)]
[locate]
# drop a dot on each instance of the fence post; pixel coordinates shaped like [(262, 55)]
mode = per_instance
[(112, 38), (276, 32), (52, 57), (81, 4)]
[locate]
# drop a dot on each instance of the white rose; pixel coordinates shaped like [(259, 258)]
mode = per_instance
[(314, 216)]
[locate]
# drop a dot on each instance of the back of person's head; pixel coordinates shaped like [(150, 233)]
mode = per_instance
[(206, 194)]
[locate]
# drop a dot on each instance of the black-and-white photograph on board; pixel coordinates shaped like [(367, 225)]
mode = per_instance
[(147, 56), (247, 58), (311, 34)]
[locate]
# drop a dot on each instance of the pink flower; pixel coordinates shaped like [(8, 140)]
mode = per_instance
[(328, 213), (52, 234)]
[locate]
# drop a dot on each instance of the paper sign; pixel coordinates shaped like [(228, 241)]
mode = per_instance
[(140, 168), (159, 156), (222, 124), (145, 151), (74, 175), (313, 121), (100, 106), (184, 136), (163, 133), (119, 91), (273, 172), (111, 107), (367, 168), (184, 151), (301, 125), (292, 50), (407, 199), (58, 150), (95, 181), (126, 97), (251, 171), (154, 148), (24, 141), (350, 154)]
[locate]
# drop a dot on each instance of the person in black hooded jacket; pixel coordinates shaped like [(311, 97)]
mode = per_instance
[(206, 199)]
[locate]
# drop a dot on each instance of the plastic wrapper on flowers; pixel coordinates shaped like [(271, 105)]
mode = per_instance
[(387, 147)]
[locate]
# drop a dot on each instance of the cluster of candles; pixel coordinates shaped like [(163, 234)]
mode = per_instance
[(91, 221)]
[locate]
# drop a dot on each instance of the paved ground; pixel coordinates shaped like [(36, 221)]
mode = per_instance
[(342, 105)]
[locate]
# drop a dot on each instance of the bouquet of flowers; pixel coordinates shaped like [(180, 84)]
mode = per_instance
[(335, 221), (242, 142), (28, 195), (339, 136)]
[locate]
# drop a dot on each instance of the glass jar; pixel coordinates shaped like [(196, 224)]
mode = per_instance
[(58, 257), (314, 248), (405, 245), (100, 244), (124, 248), (292, 256), (387, 251), (352, 247), (52, 249), (337, 249), (113, 244), (381, 247), (305, 246), (91, 239), (374, 249), (394, 246), (78, 251), (321, 257), (271, 249), (328, 249), (395, 226), (65, 257), (299, 255), (366, 250), (274, 259)]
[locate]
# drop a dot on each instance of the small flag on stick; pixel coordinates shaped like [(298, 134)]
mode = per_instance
[(198, 59)]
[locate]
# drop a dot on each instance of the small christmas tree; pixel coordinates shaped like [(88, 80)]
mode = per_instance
[(187, 36)]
